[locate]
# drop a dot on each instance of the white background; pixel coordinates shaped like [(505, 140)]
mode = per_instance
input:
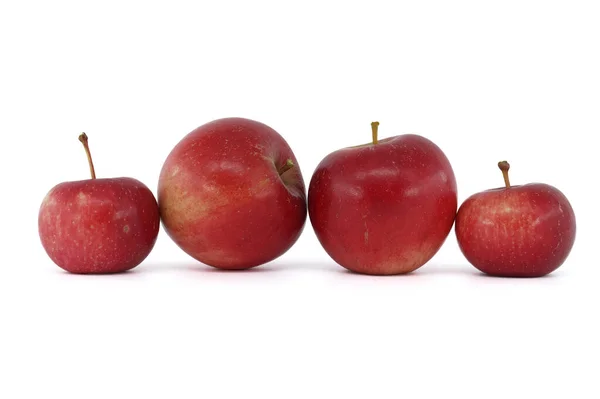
[(486, 81)]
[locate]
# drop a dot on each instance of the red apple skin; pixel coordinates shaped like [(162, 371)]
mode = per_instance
[(384, 208), (99, 226), (222, 199), (520, 231)]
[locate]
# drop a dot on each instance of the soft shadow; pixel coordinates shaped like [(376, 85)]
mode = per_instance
[(470, 271), (275, 266), (346, 272), (424, 271), (282, 266), (447, 269), (478, 274), (131, 273), (197, 267), (202, 268), (318, 265)]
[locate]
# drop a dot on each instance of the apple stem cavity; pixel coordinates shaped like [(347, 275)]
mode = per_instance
[(289, 164), (84, 140), (504, 167), (374, 127)]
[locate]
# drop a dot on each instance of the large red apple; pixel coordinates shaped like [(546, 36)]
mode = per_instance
[(231, 194), (516, 231), (98, 226), (385, 207)]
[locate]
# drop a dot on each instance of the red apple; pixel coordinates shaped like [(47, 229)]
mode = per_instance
[(385, 207), (516, 231), (231, 194), (98, 226)]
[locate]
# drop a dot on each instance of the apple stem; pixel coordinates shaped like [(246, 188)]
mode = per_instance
[(374, 127), (289, 164), (504, 167), (84, 140)]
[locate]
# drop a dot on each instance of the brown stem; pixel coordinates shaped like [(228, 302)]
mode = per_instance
[(84, 140), (374, 127), (289, 164), (504, 167)]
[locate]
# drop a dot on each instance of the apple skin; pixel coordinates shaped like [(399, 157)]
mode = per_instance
[(384, 208), (99, 226), (222, 199), (520, 231)]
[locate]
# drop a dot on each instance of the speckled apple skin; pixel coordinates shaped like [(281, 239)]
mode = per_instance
[(99, 226), (222, 199), (521, 231), (384, 208)]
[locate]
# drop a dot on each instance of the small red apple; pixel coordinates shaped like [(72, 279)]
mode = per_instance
[(231, 194), (98, 226), (516, 231), (385, 207)]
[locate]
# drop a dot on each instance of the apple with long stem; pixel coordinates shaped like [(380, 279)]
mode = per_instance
[(516, 231), (385, 207), (98, 226)]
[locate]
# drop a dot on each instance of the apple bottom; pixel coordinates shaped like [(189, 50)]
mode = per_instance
[(379, 235), (539, 259), (242, 237), (398, 262), (384, 248)]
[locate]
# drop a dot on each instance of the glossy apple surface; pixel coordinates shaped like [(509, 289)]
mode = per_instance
[(231, 194), (516, 231), (98, 226), (383, 208)]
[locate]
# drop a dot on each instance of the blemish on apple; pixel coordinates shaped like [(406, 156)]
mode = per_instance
[(443, 177), (82, 199), (411, 192)]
